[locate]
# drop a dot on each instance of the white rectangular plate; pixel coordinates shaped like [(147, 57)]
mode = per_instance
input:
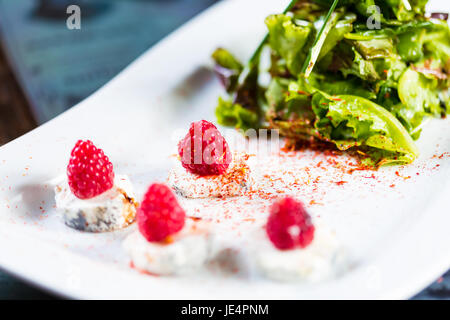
[(394, 223)]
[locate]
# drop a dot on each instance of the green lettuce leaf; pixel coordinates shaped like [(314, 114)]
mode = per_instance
[(322, 73), (437, 42), (349, 61), (289, 40), (363, 7), (351, 121), (234, 115), (390, 69), (360, 67), (374, 48), (288, 100), (424, 40), (410, 45), (290, 108), (342, 27), (420, 98), (228, 68), (406, 10), (333, 85)]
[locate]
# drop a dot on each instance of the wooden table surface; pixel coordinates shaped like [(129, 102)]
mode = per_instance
[(15, 116), (16, 120)]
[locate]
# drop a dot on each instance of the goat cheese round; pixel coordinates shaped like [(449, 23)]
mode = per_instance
[(233, 182), (184, 253), (318, 261), (112, 210)]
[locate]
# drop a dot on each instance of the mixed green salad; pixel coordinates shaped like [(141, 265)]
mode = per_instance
[(362, 75)]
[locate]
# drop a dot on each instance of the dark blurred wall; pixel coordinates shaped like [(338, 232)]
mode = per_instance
[(59, 67)]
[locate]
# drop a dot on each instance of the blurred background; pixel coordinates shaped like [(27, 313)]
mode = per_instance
[(46, 68), (58, 67)]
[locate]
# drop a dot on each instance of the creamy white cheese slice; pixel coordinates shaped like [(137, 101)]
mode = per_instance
[(322, 259), (184, 253), (112, 210), (233, 182)]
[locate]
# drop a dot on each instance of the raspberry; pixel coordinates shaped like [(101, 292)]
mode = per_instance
[(289, 225), (90, 173), (160, 215), (204, 150)]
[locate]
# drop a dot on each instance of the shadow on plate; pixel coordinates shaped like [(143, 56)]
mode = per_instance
[(192, 84), (38, 199)]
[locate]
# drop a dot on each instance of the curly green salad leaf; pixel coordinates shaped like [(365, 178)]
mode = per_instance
[(351, 121), (228, 68), (333, 78), (234, 115), (288, 40)]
